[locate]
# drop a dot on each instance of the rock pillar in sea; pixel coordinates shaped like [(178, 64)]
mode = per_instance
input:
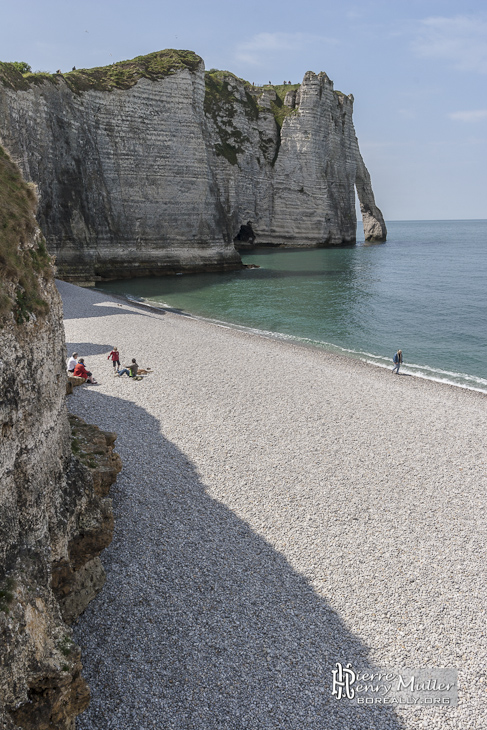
[(373, 221)]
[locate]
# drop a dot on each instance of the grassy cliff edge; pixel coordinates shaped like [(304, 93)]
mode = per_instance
[(120, 75), (24, 260)]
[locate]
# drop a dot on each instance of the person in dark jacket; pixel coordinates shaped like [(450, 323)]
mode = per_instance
[(397, 360), (130, 370)]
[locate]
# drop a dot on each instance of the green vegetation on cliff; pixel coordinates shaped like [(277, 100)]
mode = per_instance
[(125, 74), (120, 75), (22, 66), (279, 109), (220, 105), (223, 91), (21, 264), (12, 76)]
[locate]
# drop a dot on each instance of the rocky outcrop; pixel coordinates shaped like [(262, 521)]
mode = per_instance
[(297, 164), (153, 166), (55, 517), (78, 575)]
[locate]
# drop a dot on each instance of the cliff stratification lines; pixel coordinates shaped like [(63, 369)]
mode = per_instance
[(154, 165)]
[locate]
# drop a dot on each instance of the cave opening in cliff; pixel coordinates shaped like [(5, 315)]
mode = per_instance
[(245, 237)]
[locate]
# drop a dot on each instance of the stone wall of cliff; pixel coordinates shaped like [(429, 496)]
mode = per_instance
[(153, 166), (54, 517), (288, 162)]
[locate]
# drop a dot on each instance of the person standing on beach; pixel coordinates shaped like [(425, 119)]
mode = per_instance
[(397, 360), (115, 356)]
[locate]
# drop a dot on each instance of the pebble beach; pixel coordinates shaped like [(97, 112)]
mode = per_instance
[(280, 509)]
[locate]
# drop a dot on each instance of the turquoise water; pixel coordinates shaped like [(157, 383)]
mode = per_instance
[(424, 291)]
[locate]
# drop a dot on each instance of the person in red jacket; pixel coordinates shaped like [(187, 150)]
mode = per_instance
[(81, 372), (115, 356)]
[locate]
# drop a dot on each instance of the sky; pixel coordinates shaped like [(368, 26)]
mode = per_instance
[(417, 70)]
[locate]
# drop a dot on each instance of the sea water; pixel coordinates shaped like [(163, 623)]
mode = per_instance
[(423, 291)]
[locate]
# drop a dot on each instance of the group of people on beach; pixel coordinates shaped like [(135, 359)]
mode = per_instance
[(130, 370), (76, 366)]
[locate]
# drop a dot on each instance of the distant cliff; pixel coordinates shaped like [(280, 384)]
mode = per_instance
[(55, 517), (153, 166)]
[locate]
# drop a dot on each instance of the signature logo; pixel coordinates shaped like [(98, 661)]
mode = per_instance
[(343, 678), (431, 686)]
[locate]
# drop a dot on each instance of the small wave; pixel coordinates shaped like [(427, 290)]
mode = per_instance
[(460, 380), (133, 298), (147, 302), (473, 378)]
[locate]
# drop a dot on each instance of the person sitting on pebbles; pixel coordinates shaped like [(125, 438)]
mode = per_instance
[(81, 372), (72, 362), (130, 370)]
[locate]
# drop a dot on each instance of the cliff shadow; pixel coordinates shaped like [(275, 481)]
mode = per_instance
[(78, 306), (87, 348), (202, 624)]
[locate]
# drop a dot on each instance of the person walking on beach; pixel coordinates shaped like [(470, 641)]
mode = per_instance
[(115, 356), (397, 360), (130, 370)]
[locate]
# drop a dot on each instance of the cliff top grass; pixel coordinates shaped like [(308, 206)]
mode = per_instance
[(282, 89), (120, 75), (220, 75), (18, 226), (220, 101), (218, 91), (279, 109)]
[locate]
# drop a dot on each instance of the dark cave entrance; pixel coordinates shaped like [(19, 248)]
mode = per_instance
[(245, 238)]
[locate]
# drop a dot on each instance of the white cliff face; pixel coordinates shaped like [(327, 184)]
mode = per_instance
[(314, 175), (160, 178), (295, 185), (124, 181)]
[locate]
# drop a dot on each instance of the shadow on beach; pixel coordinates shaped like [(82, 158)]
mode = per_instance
[(85, 349), (98, 310), (77, 306), (202, 624)]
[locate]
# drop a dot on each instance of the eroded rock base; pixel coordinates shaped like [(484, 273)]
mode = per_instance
[(41, 686)]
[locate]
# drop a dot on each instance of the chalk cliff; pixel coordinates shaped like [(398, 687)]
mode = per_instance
[(152, 165), (55, 517)]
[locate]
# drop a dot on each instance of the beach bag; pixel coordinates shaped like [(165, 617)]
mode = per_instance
[(395, 359)]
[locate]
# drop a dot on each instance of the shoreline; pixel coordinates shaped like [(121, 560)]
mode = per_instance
[(328, 347), (280, 509)]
